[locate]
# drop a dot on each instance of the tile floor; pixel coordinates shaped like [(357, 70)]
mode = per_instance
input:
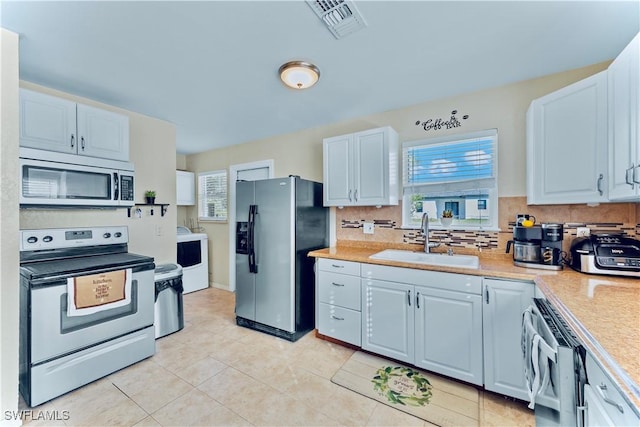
[(214, 373)]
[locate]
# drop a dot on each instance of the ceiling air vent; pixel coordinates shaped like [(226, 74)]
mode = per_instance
[(340, 16)]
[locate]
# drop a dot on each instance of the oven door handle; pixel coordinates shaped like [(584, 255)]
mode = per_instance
[(537, 355)]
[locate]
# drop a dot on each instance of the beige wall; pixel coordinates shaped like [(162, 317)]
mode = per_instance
[(9, 225), (152, 150), (300, 153)]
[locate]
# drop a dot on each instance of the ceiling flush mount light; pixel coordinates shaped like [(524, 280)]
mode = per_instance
[(299, 74)]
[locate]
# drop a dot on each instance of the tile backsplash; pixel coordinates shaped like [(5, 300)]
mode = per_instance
[(387, 220)]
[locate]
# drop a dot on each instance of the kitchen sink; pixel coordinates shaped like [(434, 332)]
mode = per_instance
[(461, 261)]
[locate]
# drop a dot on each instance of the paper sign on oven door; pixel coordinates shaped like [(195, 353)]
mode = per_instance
[(96, 292)]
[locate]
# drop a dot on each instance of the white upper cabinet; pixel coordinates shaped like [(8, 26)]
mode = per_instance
[(56, 124), (185, 188), (567, 144), (361, 169), (624, 126)]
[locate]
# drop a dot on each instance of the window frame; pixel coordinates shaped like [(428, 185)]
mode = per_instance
[(459, 188), (225, 196)]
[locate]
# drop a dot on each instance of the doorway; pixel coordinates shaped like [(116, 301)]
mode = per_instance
[(253, 171)]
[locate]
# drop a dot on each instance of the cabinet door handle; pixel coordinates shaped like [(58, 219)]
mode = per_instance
[(349, 195), (636, 176), (629, 176), (409, 297), (337, 284), (602, 388), (417, 299), (73, 140), (355, 195), (486, 294), (336, 317), (82, 142), (599, 184)]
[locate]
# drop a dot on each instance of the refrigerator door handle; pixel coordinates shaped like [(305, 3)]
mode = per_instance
[(253, 266)]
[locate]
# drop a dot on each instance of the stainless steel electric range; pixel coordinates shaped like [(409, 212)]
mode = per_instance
[(86, 308)]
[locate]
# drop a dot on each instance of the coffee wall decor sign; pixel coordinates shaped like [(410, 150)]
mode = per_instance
[(440, 123)]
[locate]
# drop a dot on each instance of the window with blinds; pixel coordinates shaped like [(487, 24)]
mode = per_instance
[(456, 175), (212, 195)]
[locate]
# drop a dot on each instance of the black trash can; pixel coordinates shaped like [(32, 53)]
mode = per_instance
[(169, 314)]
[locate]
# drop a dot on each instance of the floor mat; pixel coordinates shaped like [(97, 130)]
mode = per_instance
[(428, 396)]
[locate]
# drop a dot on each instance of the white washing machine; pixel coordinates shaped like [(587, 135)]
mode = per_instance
[(193, 256)]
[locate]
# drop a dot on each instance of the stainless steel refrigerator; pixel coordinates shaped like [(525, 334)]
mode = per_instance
[(278, 221)]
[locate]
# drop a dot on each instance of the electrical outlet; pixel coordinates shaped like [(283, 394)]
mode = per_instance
[(583, 231), (367, 228), (158, 230)]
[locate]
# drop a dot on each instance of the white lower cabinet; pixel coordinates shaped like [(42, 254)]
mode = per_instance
[(504, 303), (605, 405), (338, 296), (388, 319), (448, 337), (437, 327)]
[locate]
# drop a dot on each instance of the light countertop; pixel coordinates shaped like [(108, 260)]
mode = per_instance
[(603, 311)]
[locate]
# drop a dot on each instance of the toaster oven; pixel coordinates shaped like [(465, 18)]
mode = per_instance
[(613, 254)]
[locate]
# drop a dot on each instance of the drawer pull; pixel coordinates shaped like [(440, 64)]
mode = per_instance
[(337, 266), (602, 388), (337, 284), (336, 317)]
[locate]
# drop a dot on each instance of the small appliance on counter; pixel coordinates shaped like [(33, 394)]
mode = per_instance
[(613, 254), (537, 246)]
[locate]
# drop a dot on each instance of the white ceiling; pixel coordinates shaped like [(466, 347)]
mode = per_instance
[(210, 67)]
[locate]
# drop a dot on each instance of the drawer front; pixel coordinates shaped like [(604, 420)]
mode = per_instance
[(611, 400), (340, 323), (339, 289), (339, 266), (433, 279)]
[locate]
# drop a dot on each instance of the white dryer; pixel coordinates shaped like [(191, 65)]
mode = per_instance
[(193, 256)]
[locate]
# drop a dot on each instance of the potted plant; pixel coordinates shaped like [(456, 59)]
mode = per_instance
[(447, 217), (150, 196)]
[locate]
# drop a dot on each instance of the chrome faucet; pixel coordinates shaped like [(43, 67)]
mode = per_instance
[(425, 231)]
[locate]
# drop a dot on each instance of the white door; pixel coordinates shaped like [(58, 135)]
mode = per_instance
[(337, 171), (371, 167), (102, 133), (47, 122), (504, 303), (566, 144), (624, 126), (388, 324), (449, 333), (245, 172)]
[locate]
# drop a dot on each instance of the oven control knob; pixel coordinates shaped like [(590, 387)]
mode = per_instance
[(47, 239), (106, 235), (117, 234), (32, 239)]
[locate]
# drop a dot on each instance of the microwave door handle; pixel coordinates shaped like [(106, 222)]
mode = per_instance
[(116, 186)]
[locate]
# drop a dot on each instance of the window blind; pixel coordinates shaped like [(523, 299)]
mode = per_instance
[(212, 195), (460, 165)]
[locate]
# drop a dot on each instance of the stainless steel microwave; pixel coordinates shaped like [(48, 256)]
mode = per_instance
[(50, 179)]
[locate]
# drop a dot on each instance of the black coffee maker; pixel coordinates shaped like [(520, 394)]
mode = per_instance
[(537, 246)]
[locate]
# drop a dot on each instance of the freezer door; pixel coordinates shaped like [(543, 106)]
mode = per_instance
[(245, 280), (274, 246)]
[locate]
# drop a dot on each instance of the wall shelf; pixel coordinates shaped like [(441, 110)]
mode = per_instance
[(163, 208)]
